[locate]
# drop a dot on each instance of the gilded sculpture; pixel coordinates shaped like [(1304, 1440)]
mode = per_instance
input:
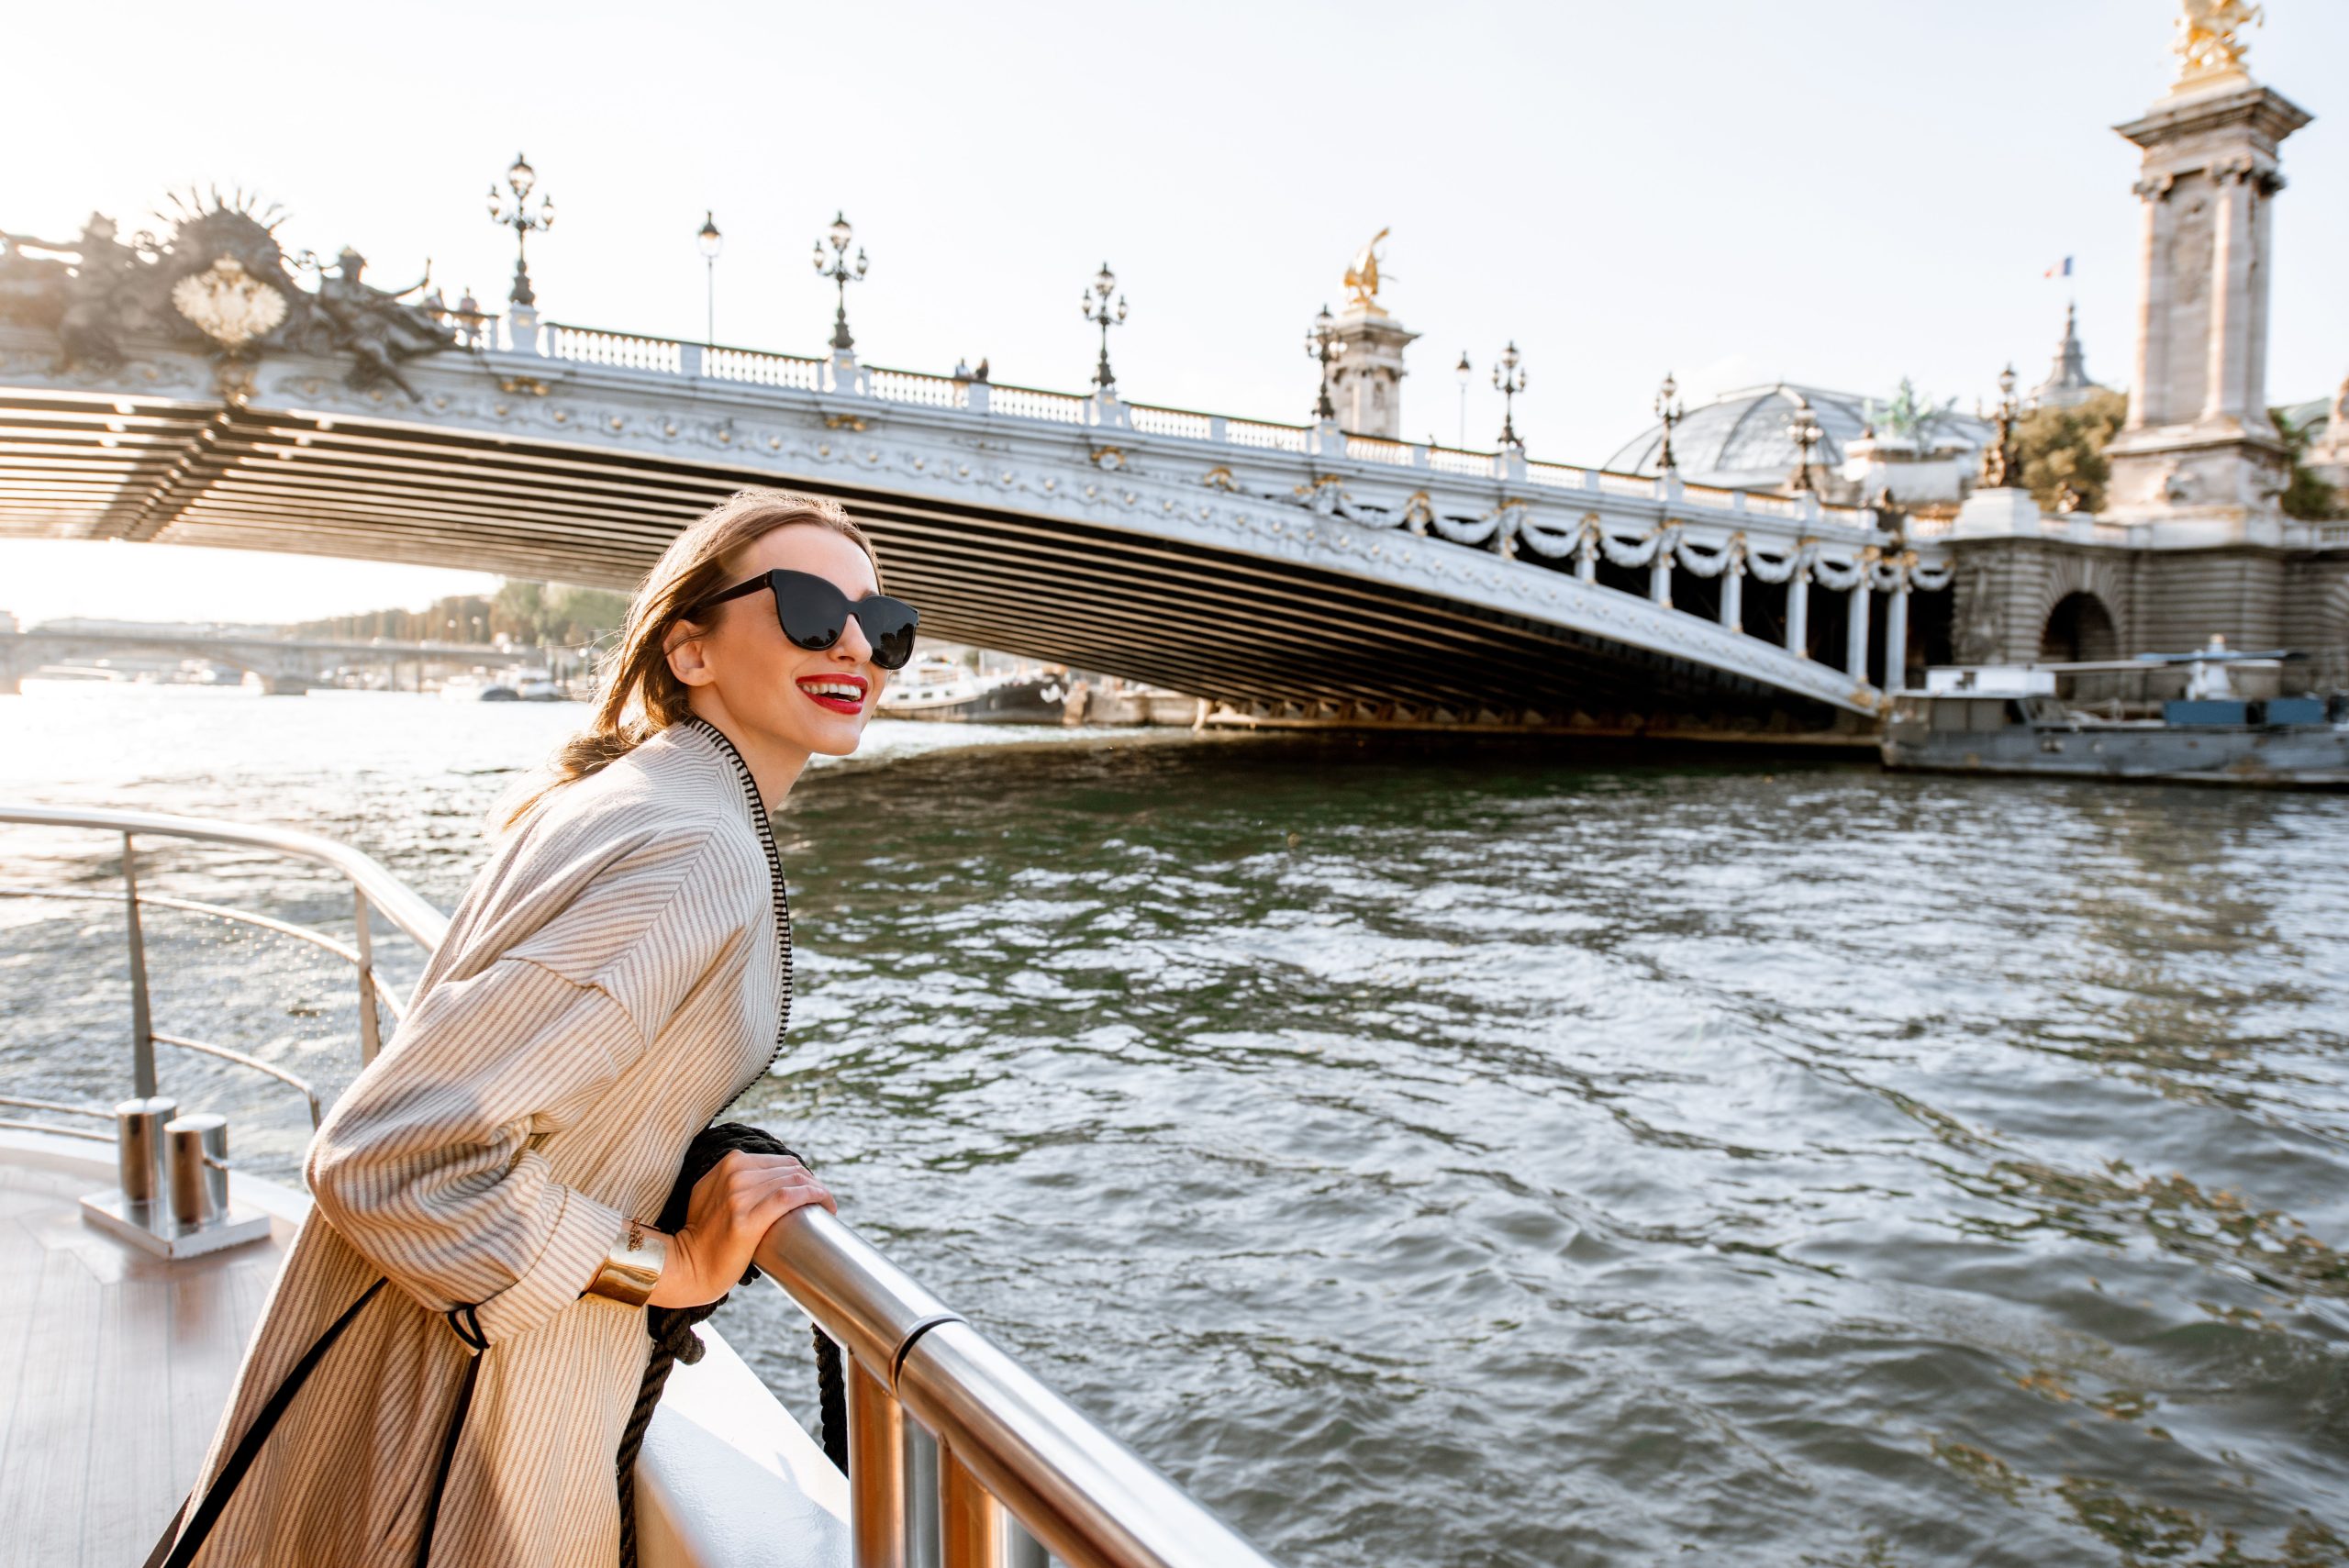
[(2206, 44), (1362, 277)]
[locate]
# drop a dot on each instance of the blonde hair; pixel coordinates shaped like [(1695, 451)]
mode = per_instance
[(639, 694)]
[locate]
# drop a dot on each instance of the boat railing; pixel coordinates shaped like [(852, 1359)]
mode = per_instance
[(959, 1457)]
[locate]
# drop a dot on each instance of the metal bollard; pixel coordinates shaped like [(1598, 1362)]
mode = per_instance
[(198, 1152), (138, 1146)]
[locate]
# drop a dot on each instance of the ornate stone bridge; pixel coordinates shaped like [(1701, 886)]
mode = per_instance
[(195, 393)]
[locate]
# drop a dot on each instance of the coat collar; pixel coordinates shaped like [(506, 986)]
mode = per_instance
[(698, 728)]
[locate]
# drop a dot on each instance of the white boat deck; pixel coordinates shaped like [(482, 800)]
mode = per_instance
[(114, 1367)]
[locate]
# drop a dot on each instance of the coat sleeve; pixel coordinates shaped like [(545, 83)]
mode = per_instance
[(426, 1164)]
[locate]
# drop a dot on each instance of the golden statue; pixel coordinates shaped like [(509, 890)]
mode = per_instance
[(1362, 277), (2206, 43)]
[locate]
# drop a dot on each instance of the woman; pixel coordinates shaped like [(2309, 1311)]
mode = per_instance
[(618, 974)]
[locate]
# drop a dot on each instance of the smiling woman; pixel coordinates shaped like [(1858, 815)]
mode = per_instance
[(696, 645), (618, 973)]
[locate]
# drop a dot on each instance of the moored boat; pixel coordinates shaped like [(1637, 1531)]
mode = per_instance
[(943, 691), (2015, 719)]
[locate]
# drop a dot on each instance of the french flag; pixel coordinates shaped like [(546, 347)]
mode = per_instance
[(2062, 268)]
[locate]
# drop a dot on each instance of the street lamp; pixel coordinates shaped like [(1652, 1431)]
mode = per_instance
[(1668, 409), (1321, 343), (1508, 379), (2001, 463), (1094, 302), (1802, 425), (511, 208), (711, 243), (842, 274), (1466, 372)]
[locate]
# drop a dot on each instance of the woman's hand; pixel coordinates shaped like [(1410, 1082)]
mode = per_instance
[(730, 1212)]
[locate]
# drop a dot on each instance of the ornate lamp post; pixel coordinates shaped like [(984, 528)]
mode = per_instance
[(1466, 372), (511, 208), (1508, 380), (842, 274), (2001, 463), (1668, 409), (711, 243), (1321, 343), (1093, 301), (1802, 425)]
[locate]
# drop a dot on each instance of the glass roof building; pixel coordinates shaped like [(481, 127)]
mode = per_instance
[(1741, 440)]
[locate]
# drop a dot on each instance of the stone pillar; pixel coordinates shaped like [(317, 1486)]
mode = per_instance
[(1856, 630), (522, 328), (1587, 554), (1733, 588), (1798, 610), (1895, 636), (1660, 574), (2198, 445), (1366, 382)]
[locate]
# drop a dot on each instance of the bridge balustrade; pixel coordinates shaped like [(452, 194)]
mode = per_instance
[(1273, 438), (1156, 421), (918, 386), (762, 369), (1027, 403)]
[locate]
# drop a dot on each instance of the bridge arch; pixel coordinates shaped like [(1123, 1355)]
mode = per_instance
[(2080, 626)]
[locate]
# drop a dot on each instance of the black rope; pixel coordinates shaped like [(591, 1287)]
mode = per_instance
[(672, 1328)]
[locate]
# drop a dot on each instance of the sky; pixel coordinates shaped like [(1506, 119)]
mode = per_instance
[(1737, 191)]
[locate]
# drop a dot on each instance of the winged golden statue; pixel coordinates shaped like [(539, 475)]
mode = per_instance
[(2205, 44), (1363, 276)]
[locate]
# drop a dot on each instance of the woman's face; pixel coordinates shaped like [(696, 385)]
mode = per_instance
[(814, 701)]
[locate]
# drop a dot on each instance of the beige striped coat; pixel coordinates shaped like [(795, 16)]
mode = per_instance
[(617, 974)]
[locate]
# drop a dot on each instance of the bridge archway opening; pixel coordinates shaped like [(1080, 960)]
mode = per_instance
[(1932, 633), (1696, 596), (1632, 579), (1761, 609), (1828, 613), (2079, 628)]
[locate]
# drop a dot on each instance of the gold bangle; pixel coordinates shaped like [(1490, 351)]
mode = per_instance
[(631, 1270)]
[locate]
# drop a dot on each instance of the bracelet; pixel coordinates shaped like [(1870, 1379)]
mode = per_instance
[(631, 1270)]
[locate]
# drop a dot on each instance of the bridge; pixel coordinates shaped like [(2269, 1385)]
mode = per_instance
[(193, 392), (286, 666)]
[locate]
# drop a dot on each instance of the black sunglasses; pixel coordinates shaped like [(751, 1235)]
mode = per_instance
[(812, 612)]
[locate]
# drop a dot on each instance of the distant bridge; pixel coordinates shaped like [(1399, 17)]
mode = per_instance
[(286, 666), (1291, 573)]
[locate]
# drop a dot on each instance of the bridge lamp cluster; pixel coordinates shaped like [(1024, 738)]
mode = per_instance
[(842, 235), (511, 208), (1322, 344), (1508, 380), (1094, 304)]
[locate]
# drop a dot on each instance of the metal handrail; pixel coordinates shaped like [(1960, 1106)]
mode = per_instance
[(398, 904), (373, 888), (1010, 1447), (301, 1086), (1016, 1464), (384, 993)]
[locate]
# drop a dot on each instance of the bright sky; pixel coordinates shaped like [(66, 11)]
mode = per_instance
[(1840, 193)]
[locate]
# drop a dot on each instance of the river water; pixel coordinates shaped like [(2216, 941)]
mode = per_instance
[(1458, 1154)]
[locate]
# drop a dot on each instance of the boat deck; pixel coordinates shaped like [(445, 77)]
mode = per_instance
[(114, 1367)]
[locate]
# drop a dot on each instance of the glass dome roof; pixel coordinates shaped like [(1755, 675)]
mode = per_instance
[(1739, 441)]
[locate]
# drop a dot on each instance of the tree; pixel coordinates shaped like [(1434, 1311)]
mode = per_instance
[(2307, 497), (2065, 446)]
